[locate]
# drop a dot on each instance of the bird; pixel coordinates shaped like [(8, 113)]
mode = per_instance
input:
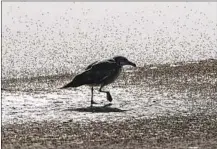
[(100, 73)]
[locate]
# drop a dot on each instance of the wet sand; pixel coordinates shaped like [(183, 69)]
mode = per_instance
[(154, 107), (199, 131)]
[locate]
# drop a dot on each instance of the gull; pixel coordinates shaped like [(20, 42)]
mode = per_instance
[(100, 73)]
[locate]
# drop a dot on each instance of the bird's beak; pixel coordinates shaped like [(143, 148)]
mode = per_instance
[(131, 63)]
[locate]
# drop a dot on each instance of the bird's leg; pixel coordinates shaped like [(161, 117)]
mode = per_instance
[(109, 97), (92, 102), (91, 96)]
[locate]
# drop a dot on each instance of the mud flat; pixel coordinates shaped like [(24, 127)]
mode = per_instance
[(164, 106)]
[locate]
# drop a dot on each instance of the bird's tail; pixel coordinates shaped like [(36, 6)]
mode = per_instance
[(76, 82)]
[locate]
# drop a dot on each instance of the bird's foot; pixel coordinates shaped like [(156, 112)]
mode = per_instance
[(107, 105), (109, 97), (92, 102)]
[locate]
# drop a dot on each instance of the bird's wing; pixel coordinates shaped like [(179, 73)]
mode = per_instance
[(97, 64), (100, 71), (89, 66), (103, 65)]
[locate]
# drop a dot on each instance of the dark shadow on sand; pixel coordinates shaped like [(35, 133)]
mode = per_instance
[(96, 109)]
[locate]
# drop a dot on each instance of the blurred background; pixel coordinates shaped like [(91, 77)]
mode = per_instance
[(51, 38)]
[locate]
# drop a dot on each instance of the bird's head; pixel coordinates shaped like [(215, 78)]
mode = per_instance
[(121, 61)]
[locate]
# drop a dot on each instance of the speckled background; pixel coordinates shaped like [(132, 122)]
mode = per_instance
[(46, 38)]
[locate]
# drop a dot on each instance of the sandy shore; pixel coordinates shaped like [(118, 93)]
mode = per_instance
[(193, 131), (154, 107)]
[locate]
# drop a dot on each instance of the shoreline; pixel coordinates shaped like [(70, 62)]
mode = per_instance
[(168, 107), (209, 63)]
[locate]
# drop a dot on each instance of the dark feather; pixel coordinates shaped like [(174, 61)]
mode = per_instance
[(89, 66), (101, 71), (76, 82), (96, 73)]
